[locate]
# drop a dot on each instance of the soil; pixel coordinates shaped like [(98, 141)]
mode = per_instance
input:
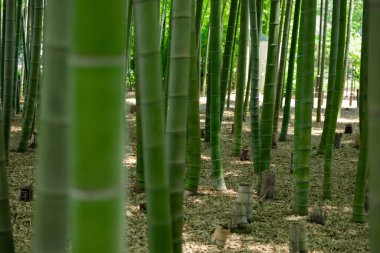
[(272, 219)]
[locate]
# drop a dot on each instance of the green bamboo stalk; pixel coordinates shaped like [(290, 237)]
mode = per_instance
[(140, 181), (304, 109), (260, 10), (163, 20), (50, 227), (193, 161), (332, 73), (3, 24), (25, 58), (337, 101), (320, 32), (6, 234), (254, 102), (241, 76), (176, 122), (348, 42), (269, 91), (30, 107), (206, 88), (8, 77), (361, 174), (281, 27), (198, 22), (227, 53), (322, 71), (17, 44), (215, 67), (289, 81), (147, 53), (233, 56), (374, 123), (281, 70), (248, 86), (206, 64), (97, 81)]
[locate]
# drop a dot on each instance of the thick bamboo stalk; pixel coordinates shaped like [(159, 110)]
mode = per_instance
[(241, 77), (147, 37), (9, 68), (193, 162), (303, 114), (50, 227), (358, 214), (322, 72), (224, 79), (97, 81), (269, 91), (332, 72), (215, 67), (176, 122), (336, 102), (34, 77), (374, 123)]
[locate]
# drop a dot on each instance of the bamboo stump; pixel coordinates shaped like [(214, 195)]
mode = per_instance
[(348, 129), (297, 239), (132, 108), (245, 196), (239, 221), (232, 128), (318, 216), (267, 185), (26, 194), (33, 140), (219, 236), (338, 140), (244, 154), (203, 133)]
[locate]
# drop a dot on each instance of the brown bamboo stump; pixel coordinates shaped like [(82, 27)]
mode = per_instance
[(219, 236), (244, 154), (26, 194), (297, 239), (267, 184), (203, 133), (348, 129), (132, 108), (232, 128), (338, 140), (318, 216)]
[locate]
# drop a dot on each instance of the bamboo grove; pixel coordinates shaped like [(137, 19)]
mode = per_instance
[(66, 68)]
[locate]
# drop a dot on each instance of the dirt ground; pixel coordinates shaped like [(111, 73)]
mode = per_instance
[(272, 219)]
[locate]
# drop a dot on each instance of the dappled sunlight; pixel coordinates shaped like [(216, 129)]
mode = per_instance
[(205, 157)]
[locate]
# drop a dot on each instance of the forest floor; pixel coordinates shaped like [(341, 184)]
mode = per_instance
[(271, 219)]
